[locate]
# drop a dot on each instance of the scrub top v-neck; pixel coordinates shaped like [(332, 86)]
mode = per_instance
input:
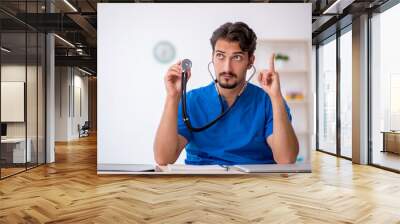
[(237, 138)]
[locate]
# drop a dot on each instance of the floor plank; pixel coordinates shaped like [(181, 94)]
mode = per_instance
[(69, 191)]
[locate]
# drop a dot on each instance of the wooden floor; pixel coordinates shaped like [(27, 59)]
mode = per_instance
[(387, 159), (5, 172), (69, 191)]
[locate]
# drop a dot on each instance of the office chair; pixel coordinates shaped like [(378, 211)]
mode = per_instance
[(84, 130)]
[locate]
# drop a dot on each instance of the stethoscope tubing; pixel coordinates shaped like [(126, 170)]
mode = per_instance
[(185, 115)]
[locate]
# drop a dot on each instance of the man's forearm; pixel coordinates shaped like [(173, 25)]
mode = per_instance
[(285, 144), (166, 141)]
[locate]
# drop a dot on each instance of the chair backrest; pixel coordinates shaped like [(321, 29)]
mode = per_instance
[(86, 125)]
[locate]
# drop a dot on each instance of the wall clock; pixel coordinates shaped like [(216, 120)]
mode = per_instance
[(164, 52)]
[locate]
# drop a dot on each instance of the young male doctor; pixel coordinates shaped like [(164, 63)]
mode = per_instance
[(256, 130)]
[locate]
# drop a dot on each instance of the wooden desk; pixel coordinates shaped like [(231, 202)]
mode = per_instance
[(163, 170), (16, 153), (391, 141)]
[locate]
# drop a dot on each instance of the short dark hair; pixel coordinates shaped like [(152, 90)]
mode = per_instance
[(237, 32)]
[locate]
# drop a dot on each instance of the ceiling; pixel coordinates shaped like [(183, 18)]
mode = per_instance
[(76, 22)]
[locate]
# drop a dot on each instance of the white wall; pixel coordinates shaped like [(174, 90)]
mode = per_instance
[(80, 83), (61, 103), (130, 81), (12, 100), (68, 81)]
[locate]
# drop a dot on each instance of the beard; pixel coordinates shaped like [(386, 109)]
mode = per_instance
[(229, 82)]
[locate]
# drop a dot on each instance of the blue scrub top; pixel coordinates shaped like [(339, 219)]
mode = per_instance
[(238, 138)]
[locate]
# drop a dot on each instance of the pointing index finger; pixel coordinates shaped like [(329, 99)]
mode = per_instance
[(272, 62)]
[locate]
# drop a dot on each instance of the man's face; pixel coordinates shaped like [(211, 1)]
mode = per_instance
[(231, 63)]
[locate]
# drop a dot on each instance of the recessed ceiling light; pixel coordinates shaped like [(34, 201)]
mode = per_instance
[(338, 6), (84, 71), (5, 50), (64, 40), (70, 5)]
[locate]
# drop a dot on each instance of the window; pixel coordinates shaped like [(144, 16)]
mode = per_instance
[(346, 94), (327, 97), (385, 89)]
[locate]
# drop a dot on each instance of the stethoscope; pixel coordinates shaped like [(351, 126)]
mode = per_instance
[(186, 65)]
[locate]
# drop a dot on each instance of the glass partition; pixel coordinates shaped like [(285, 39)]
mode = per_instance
[(14, 153), (346, 94), (22, 77), (385, 89), (327, 97)]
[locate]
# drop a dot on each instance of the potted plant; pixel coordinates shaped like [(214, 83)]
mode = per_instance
[(281, 60)]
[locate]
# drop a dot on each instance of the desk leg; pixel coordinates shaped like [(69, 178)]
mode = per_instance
[(384, 142)]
